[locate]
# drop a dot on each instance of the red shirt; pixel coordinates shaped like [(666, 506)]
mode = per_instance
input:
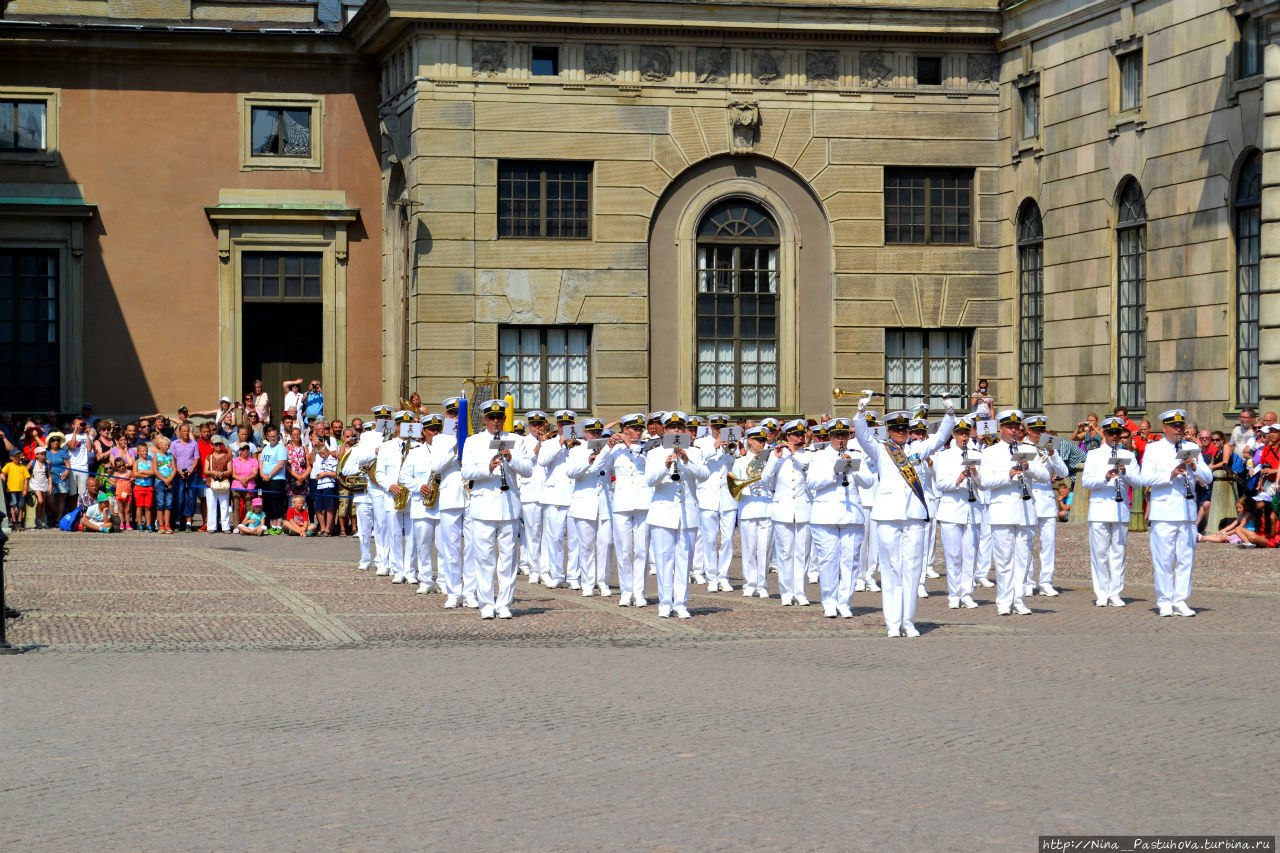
[(205, 448), (297, 516)]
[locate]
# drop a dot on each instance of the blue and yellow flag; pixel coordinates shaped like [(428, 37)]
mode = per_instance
[(464, 424)]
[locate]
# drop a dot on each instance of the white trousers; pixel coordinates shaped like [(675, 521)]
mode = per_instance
[(449, 551), (555, 529), (491, 549), (835, 548), (673, 552), (790, 549), (219, 504), (959, 549), (422, 547), (382, 549), (594, 540), (1173, 552), (1107, 541), (930, 543), (1012, 546), (363, 511), (631, 542), (755, 551), (986, 547), (531, 538), (900, 544), (717, 542), (399, 529), (1048, 529), (870, 557)]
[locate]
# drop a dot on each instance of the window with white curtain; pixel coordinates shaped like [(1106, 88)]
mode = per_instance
[(549, 367), (1131, 301), (1030, 308), (737, 308), (925, 366)]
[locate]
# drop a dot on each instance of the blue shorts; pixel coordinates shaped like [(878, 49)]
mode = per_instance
[(163, 498), (325, 500), (15, 500)]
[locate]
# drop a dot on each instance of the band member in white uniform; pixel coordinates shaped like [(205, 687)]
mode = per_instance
[(919, 431), (354, 466), (959, 512), (869, 558), (673, 516), (557, 493), (589, 510), (493, 513), (900, 510), (836, 516), (450, 508), (1046, 500), (383, 428), (417, 475), (1109, 498), (391, 457), (625, 464), (755, 513), (530, 497), (1012, 511), (1172, 518), (719, 511), (787, 476)]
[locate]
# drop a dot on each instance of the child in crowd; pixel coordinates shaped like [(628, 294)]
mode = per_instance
[(122, 477), (59, 476), (1063, 489), (97, 518), (16, 475), (144, 468), (296, 520), (39, 485), (254, 522), (324, 476), (163, 484)]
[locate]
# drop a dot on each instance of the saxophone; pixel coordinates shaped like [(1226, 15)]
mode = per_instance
[(402, 499), (433, 492), (755, 470)]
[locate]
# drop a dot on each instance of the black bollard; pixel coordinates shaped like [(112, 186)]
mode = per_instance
[(5, 648)]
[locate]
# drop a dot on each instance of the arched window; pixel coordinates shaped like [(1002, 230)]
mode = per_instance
[(1131, 304), (1248, 221), (737, 308), (1031, 308)]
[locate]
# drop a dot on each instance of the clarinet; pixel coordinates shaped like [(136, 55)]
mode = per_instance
[(968, 481), (674, 473), (1119, 498), (1186, 481), (844, 475)]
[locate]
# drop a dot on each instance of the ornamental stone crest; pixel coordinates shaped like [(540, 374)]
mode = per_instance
[(875, 70), (822, 67), (764, 66), (982, 71), (488, 59), (600, 61), (655, 63), (744, 125), (712, 65)]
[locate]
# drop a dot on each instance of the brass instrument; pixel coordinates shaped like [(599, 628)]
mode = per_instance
[(755, 471), (402, 500), (433, 492), (357, 483)]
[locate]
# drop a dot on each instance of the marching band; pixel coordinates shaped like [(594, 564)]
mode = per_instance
[(579, 504)]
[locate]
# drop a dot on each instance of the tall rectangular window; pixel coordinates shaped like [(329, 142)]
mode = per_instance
[(1248, 216), (1031, 308), (1253, 38), (925, 366), (29, 353), (544, 199), (280, 276), (1130, 69), (23, 125), (280, 132), (928, 206), (1030, 98), (1131, 302), (549, 366)]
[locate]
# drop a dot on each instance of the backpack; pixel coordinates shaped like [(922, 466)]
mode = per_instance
[(71, 521)]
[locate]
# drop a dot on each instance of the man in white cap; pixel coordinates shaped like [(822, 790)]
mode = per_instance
[(1109, 496), (451, 506), (1012, 510), (918, 430), (755, 513), (383, 430), (589, 509), (390, 460), (1046, 501), (673, 516), (836, 515), (450, 406), (901, 509), (493, 512), (354, 466), (959, 511), (417, 475), (557, 494), (717, 508), (531, 498), (786, 475), (1172, 498), (625, 464), (869, 555)]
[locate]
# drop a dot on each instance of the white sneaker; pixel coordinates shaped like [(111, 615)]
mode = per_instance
[(931, 573), (813, 577), (504, 613), (921, 592), (1182, 609), (699, 577), (575, 585), (624, 600), (398, 579), (682, 612), (712, 586), (1166, 609), (1002, 611), (786, 600), (382, 573), (362, 567), (1101, 602), (486, 612), (468, 601), (1021, 609), (604, 590), (761, 592), (450, 602), (859, 585), (640, 602), (551, 584), (725, 586), (1029, 591), (983, 582), (872, 586), (828, 611), (653, 570), (953, 602), (844, 611), (801, 601), (535, 578), (1048, 590), (748, 591), (1114, 601), (910, 630), (663, 611), (587, 592), (968, 601), (424, 588)]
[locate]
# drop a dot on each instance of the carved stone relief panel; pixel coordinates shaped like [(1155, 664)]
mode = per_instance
[(766, 65), (655, 63), (601, 61), (712, 65), (875, 70), (822, 68), (983, 71), (488, 59)]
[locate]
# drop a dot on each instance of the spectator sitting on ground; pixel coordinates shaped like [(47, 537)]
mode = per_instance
[(296, 520), (89, 496), (1230, 532), (254, 522), (16, 476), (97, 517)]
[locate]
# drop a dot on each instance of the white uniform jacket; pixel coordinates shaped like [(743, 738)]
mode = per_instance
[(756, 500), (1007, 505), (713, 492), (1103, 505), (1168, 498), (590, 483), (416, 473), (832, 502), (390, 455), (953, 504), (531, 486), (488, 501), (895, 501), (364, 452), (444, 461), (788, 477), (631, 490), (1046, 499), (674, 504), (557, 485)]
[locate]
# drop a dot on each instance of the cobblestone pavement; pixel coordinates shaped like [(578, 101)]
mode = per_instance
[(334, 711)]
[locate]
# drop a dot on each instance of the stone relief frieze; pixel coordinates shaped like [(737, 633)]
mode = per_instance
[(488, 58), (601, 61), (983, 71), (822, 68), (712, 65), (875, 70), (766, 65), (655, 63)]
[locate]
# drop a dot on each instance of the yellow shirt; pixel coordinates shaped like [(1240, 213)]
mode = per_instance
[(15, 476)]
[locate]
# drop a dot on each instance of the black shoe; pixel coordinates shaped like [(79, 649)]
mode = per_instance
[(10, 613)]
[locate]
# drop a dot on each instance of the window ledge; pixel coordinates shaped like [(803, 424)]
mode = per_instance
[(1028, 148), (1133, 120), (27, 158), (1245, 84)]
